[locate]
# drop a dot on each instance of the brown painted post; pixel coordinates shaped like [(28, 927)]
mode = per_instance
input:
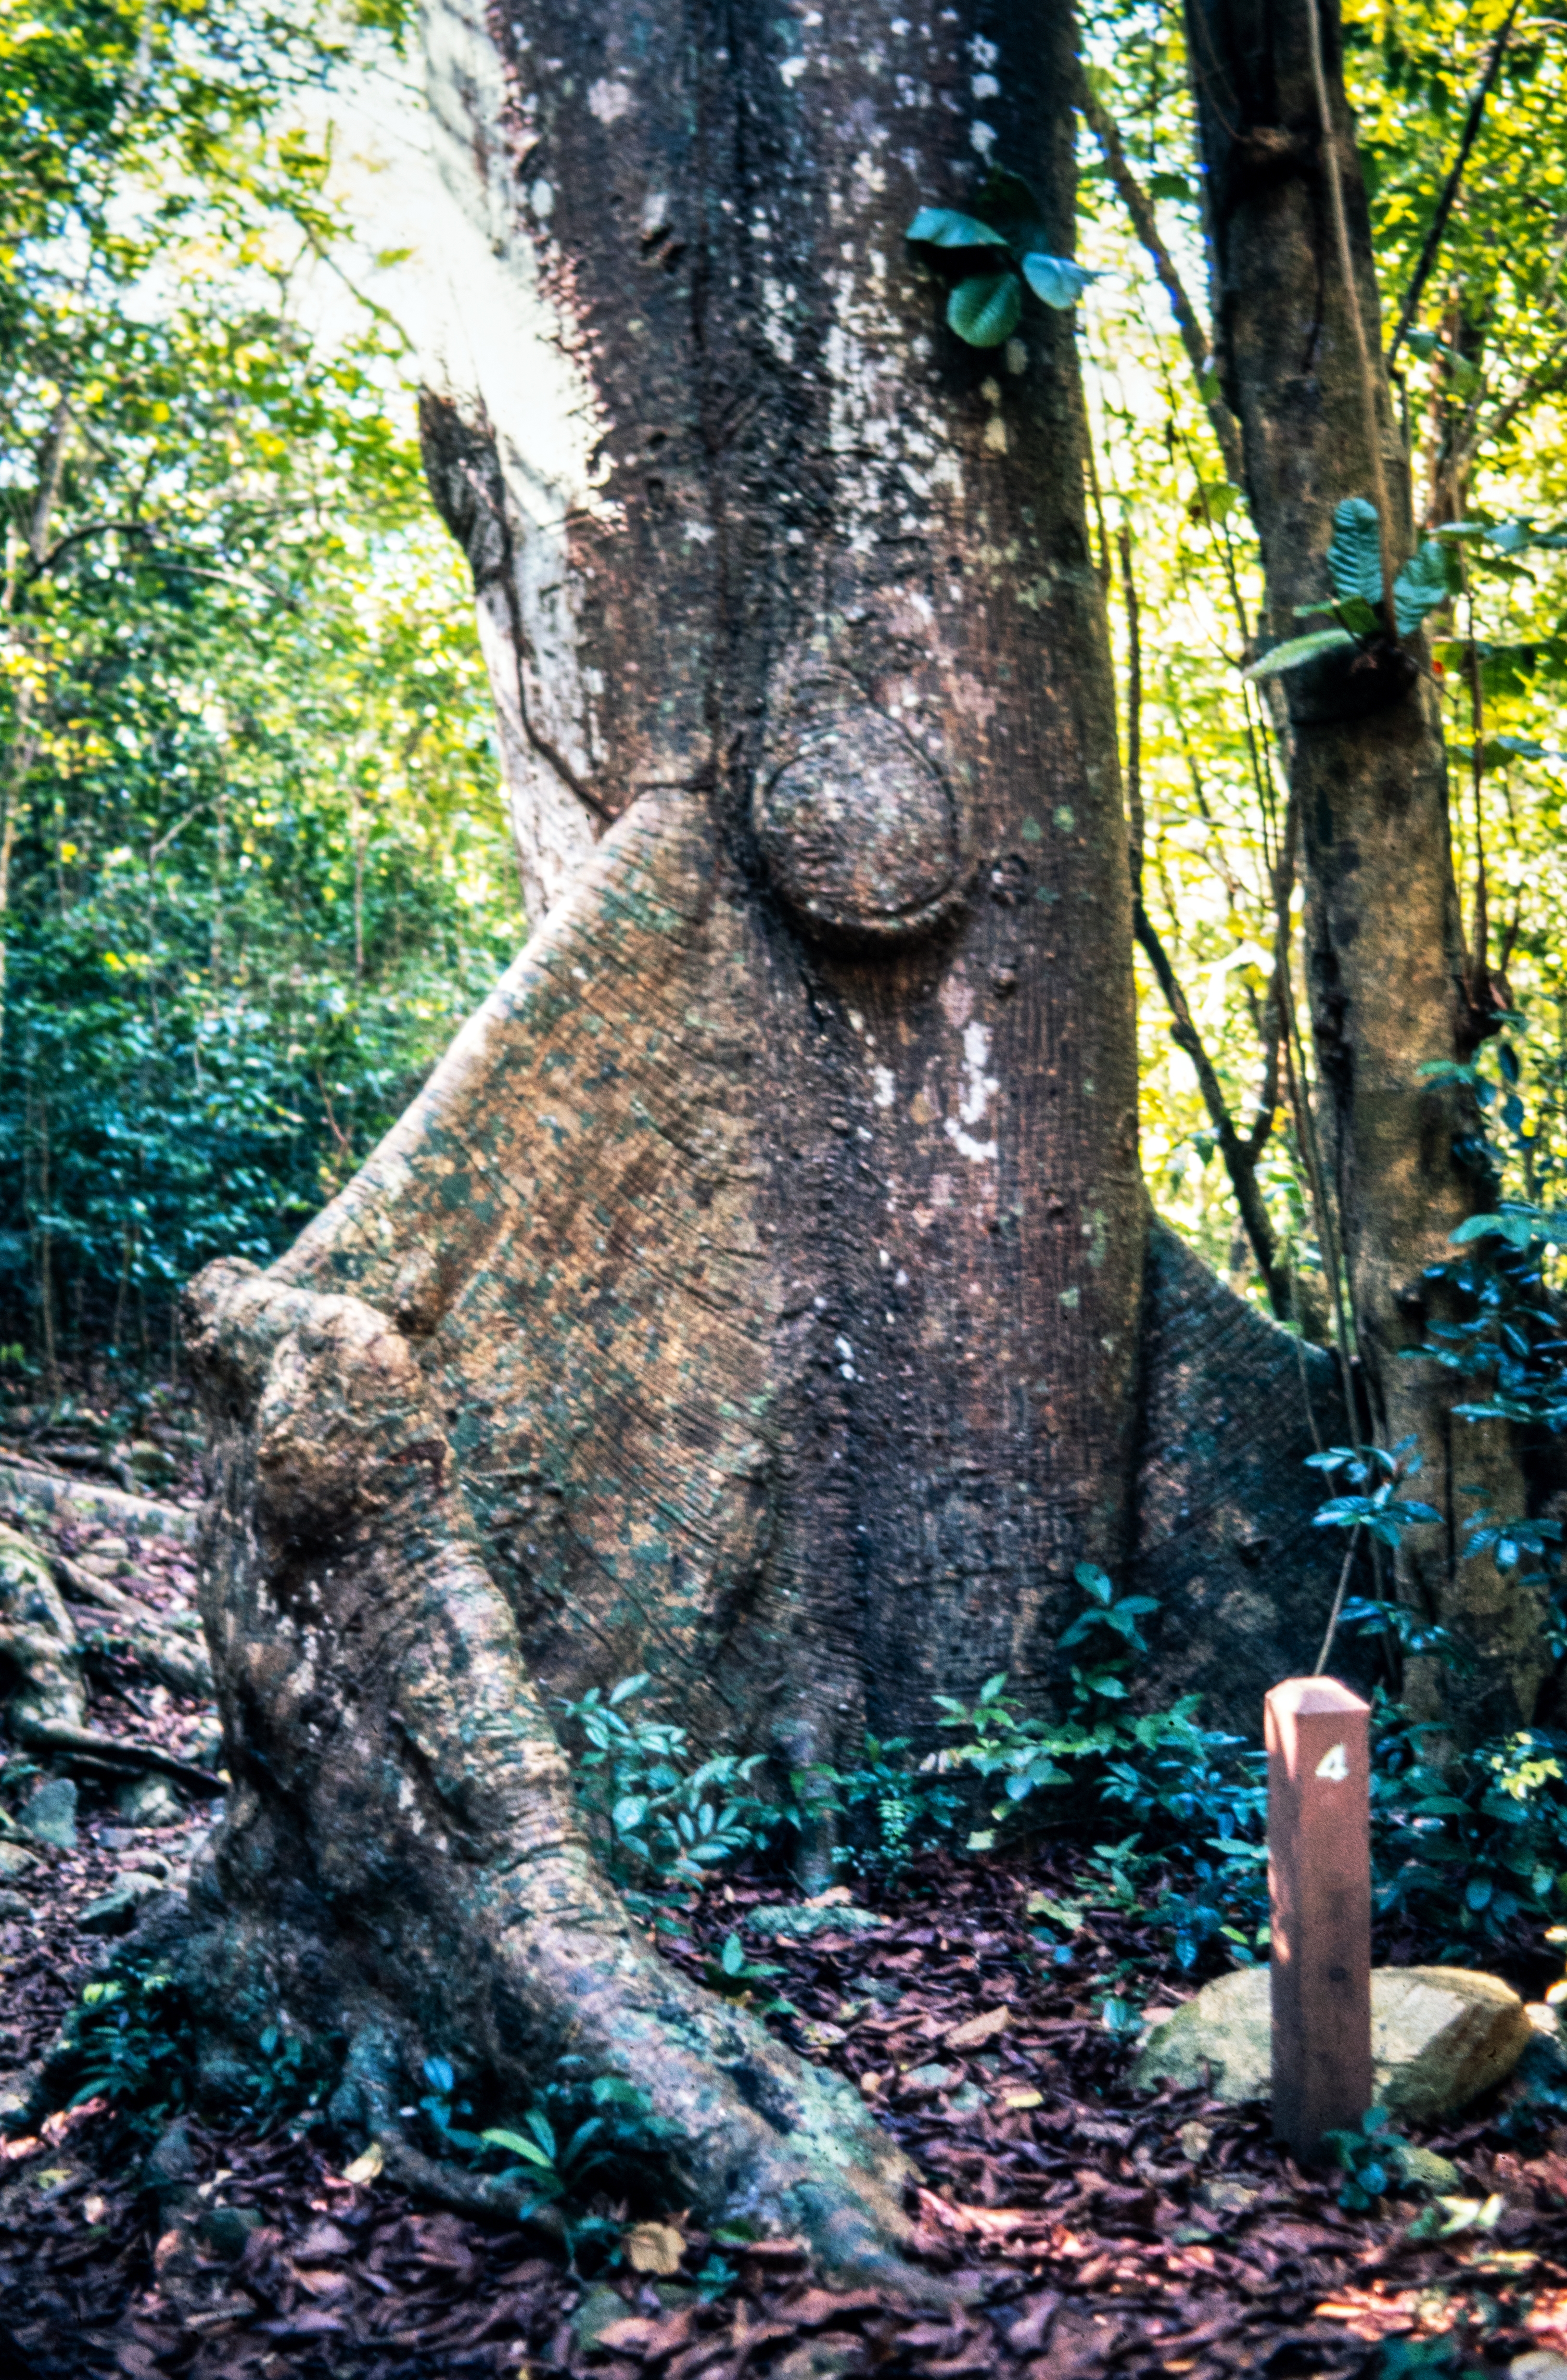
[(1319, 1885)]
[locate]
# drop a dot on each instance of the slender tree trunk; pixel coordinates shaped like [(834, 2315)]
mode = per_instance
[(1390, 983)]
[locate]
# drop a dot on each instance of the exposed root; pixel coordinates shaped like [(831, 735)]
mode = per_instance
[(373, 2066), (176, 1660), (402, 1835), (46, 1495), (113, 1752), (45, 1694)]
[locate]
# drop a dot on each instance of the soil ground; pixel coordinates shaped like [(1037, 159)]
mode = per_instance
[(1097, 2230)]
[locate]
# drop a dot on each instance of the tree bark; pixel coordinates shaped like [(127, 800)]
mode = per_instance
[(1391, 983), (754, 1294)]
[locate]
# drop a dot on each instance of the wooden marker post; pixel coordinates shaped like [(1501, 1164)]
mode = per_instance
[(1319, 1885)]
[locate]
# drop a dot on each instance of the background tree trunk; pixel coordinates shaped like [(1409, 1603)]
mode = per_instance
[(1391, 982)]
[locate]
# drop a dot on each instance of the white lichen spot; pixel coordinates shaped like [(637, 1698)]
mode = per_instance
[(1065, 816), (885, 1089), (609, 101), (970, 695), (847, 1368), (856, 1020), (792, 70), (981, 138), (979, 1089), (1071, 1298), (983, 53), (900, 1279), (990, 390), (985, 86), (654, 217), (541, 198), (775, 320), (1017, 354), (994, 439), (899, 27), (884, 1259)]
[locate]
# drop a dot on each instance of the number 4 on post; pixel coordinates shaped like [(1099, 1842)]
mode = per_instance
[(1319, 1885)]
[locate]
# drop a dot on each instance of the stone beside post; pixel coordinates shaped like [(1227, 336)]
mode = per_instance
[(1320, 1886)]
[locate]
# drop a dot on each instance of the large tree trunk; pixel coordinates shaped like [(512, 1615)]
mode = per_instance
[(754, 1294), (1391, 983)]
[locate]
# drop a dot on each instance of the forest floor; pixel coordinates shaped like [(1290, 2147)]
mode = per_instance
[(1097, 2229)]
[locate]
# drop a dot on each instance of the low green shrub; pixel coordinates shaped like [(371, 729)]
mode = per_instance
[(131, 2041), (586, 2143), (890, 1811), (663, 1820)]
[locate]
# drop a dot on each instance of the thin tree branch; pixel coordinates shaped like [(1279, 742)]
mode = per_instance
[(1239, 1162), (1450, 188), (1193, 338), (1134, 711), (1352, 301), (1544, 381)]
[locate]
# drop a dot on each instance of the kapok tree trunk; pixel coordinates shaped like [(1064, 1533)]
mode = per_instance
[(1391, 983), (753, 1295)]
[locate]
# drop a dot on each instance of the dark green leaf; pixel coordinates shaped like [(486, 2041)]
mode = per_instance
[(1427, 580), (1498, 750), (1355, 552), (944, 227), (985, 308), (1056, 279)]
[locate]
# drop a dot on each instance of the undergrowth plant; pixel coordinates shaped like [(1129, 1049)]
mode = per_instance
[(1194, 1792), (891, 1809), (590, 2147), (663, 1819), (1473, 1852), (131, 2042)]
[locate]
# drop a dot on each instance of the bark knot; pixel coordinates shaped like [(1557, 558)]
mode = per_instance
[(860, 829)]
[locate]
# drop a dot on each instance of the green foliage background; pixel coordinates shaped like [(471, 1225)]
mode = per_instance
[(1480, 381), (259, 866)]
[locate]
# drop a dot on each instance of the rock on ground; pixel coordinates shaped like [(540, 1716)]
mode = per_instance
[(1439, 2037)]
